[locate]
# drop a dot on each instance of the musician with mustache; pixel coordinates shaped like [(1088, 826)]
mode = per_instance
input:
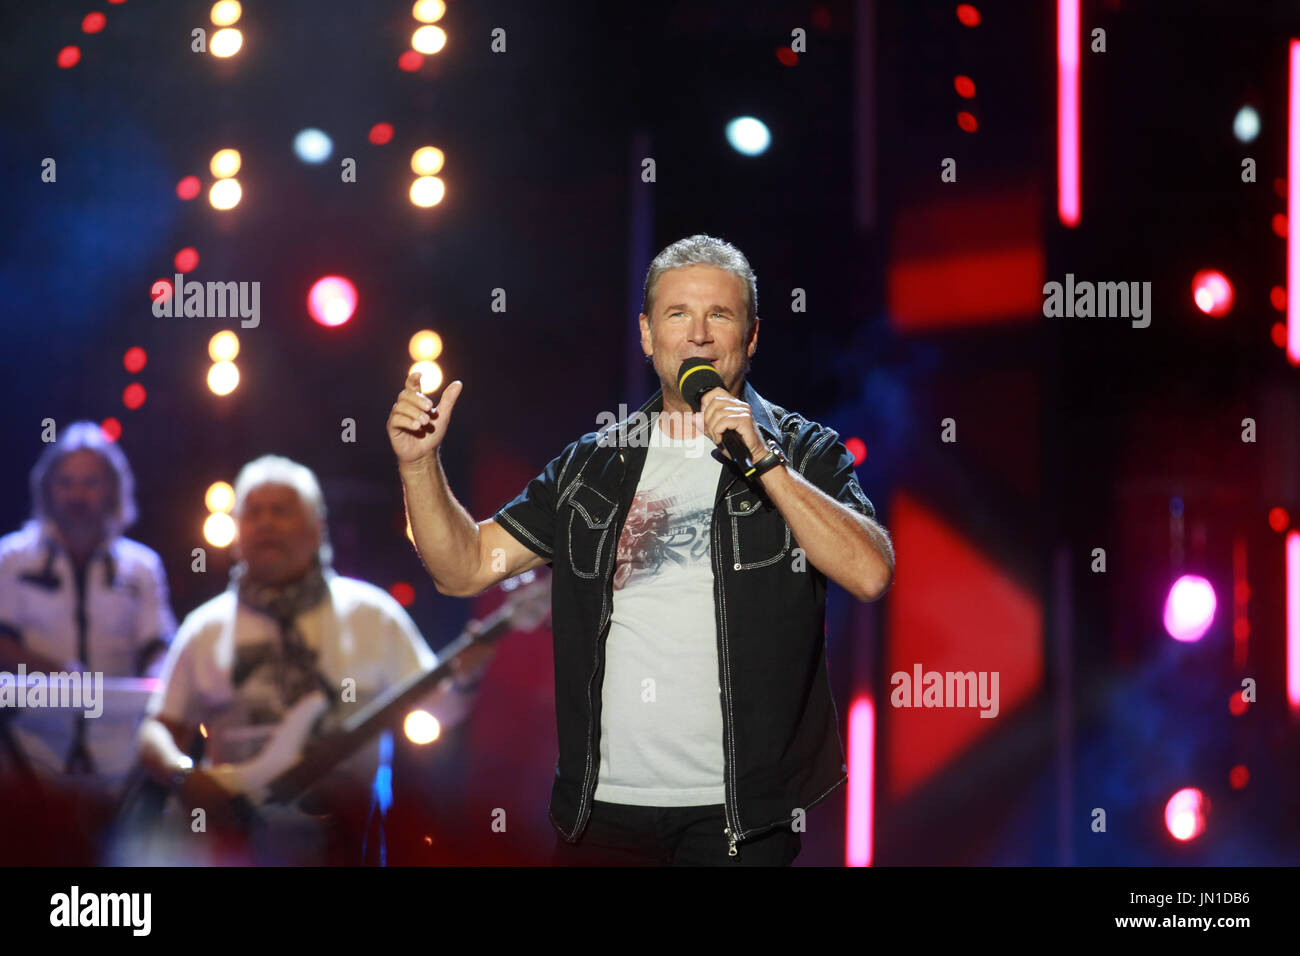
[(79, 597)]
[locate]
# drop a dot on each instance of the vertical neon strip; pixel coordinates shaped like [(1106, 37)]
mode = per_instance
[(1067, 111), (1240, 603), (862, 750), (1293, 209), (1293, 618)]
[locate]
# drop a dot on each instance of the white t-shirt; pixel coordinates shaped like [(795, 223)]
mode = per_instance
[(361, 633), (126, 608), (661, 717)]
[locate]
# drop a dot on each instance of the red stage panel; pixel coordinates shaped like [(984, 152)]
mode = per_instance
[(967, 262), (951, 609)]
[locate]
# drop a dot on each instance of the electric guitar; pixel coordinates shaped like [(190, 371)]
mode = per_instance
[(294, 758), (264, 791)]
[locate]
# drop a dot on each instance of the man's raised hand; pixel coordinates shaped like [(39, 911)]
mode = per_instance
[(415, 427)]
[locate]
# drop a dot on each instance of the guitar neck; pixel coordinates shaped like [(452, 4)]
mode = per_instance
[(383, 712)]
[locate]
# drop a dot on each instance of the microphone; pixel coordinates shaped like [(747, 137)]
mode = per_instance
[(694, 378)]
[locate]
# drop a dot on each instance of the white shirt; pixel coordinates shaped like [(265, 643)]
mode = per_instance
[(661, 713), (361, 633), (126, 608)]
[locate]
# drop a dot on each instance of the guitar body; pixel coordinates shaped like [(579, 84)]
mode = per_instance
[(286, 806)]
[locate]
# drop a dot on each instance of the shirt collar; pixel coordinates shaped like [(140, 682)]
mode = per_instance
[(640, 420), (50, 539)]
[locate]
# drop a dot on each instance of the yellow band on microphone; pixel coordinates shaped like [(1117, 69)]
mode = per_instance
[(681, 385)]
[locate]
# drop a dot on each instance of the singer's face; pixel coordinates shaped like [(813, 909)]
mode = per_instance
[(699, 312), (278, 535)]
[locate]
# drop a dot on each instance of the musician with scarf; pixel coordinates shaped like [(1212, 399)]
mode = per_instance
[(287, 625)]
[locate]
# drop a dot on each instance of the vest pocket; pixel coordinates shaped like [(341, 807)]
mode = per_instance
[(759, 535), (591, 516)]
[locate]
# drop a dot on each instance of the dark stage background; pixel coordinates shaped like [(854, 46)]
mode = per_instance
[(891, 302)]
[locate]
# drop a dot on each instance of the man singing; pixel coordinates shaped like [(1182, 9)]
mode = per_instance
[(694, 713)]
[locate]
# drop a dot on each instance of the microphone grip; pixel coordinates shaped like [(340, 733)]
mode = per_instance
[(735, 447)]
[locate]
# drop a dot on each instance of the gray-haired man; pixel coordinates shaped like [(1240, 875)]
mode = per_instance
[(694, 715)]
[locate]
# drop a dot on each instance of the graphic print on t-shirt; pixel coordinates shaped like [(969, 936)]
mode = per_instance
[(659, 532)]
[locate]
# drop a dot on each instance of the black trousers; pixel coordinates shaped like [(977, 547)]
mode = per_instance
[(619, 834)]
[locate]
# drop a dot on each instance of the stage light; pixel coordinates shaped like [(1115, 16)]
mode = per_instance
[(332, 300), (224, 346), (68, 57), (1237, 705), (219, 530), (223, 378), (748, 136), (1278, 333), (134, 360), (427, 161), (1293, 200), (225, 163), (381, 134), (1067, 112), (220, 497), (964, 86), (1185, 814), (1293, 618), (425, 346), (862, 744), (858, 449), (421, 727), (1189, 608), (428, 39), (967, 121), (188, 187), (428, 11), (313, 146), (1277, 298), (226, 12), (786, 56), (968, 15), (430, 375), (410, 61), (133, 396), (403, 593), (1245, 125), (186, 259), (1238, 777), (1212, 292), (93, 22), (1278, 519), (225, 194), (111, 429), (427, 191), (1279, 224), (161, 290), (225, 42)]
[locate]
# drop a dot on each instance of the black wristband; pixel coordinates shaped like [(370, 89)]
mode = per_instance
[(769, 461)]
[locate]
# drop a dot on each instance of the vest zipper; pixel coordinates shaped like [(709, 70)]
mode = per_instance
[(720, 621)]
